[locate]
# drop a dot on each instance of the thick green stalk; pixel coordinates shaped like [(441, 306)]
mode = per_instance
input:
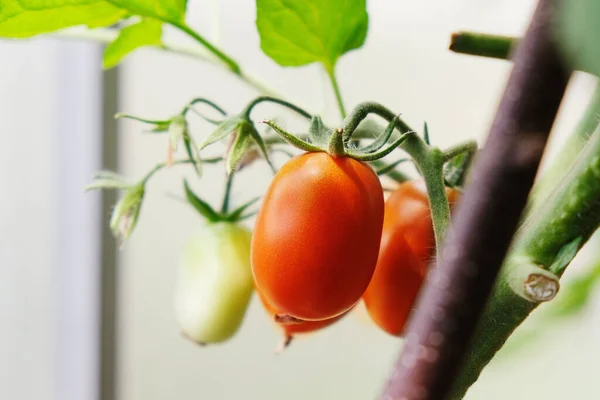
[(571, 214), (482, 44), (568, 153)]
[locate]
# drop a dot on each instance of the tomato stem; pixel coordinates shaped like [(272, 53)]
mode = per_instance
[(162, 165), (274, 100), (336, 143), (482, 44)]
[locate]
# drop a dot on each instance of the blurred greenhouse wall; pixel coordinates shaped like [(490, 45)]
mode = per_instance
[(50, 247)]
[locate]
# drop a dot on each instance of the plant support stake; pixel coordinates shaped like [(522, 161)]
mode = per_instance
[(456, 291)]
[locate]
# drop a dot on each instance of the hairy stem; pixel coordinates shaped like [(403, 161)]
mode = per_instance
[(482, 44)]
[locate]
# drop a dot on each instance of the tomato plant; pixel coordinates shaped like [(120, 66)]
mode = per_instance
[(323, 237)]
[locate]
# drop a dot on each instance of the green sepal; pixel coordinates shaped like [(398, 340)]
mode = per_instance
[(291, 139), (456, 170), (565, 256), (318, 133), (107, 180), (382, 138), (384, 170), (237, 214), (177, 130), (126, 212), (250, 130), (361, 156), (224, 129), (161, 122), (242, 142), (426, 134), (192, 152), (200, 205)]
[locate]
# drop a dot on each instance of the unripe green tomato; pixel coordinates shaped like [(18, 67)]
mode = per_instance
[(214, 283)]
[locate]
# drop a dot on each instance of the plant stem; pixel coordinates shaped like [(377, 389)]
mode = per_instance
[(470, 146), (573, 211), (275, 100), (162, 165), (455, 293), (428, 159), (228, 61), (336, 90), (568, 153), (108, 35), (482, 44), (225, 204)]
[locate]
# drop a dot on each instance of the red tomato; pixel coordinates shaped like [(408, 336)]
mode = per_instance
[(291, 330), (317, 236), (407, 247), (407, 210)]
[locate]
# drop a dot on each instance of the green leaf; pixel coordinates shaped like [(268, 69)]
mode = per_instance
[(164, 10), (200, 205), (223, 130), (25, 18), (318, 133), (147, 32), (299, 32), (578, 33), (241, 145)]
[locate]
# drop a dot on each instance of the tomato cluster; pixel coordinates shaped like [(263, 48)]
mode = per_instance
[(324, 238)]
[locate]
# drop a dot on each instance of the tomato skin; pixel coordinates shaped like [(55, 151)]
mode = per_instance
[(214, 283), (407, 248), (390, 297), (407, 210), (317, 236), (290, 330)]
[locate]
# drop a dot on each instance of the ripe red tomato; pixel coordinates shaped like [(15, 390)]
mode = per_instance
[(317, 236), (291, 330), (407, 247)]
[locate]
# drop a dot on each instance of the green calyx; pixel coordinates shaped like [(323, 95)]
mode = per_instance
[(338, 143), (224, 215)]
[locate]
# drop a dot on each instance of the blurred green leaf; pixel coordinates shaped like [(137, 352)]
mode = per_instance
[(147, 32), (200, 205), (299, 32), (579, 33), (25, 18), (165, 10)]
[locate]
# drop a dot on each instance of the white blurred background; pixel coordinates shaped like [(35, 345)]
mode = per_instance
[(50, 249)]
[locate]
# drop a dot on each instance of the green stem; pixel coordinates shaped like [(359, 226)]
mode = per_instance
[(225, 204), (275, 100), (336, 90), (570, 215), (482, 44), (108, 35), (429, 160), (162, 165), (228, 61), (469, 146), (568, 153)]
